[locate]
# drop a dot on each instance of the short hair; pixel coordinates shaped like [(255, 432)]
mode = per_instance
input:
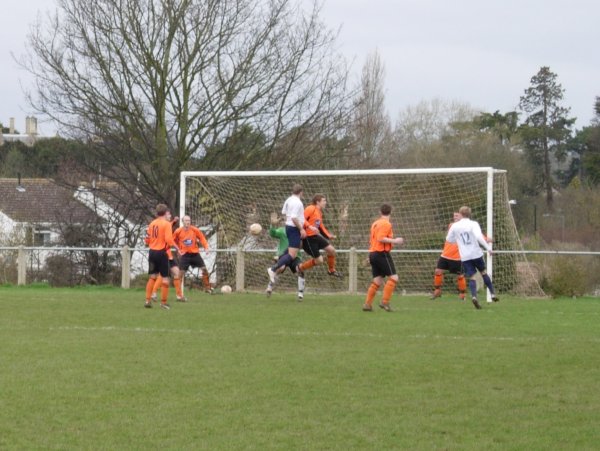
[(386, 209), (465, 211), (297, 189), (161, 210), (318, 198)]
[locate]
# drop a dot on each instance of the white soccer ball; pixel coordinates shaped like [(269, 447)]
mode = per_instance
[(226, 289), (255, 229)]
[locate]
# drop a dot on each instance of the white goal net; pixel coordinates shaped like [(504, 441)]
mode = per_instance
[(423, 201)]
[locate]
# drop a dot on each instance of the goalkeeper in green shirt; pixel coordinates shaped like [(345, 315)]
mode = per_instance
[(277, 231)]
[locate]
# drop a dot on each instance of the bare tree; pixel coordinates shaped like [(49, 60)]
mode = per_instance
[(154, 83), (371, 128), (421, 127)]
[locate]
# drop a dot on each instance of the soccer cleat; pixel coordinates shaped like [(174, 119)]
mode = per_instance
[(181, 299), (165, 306), (476, 303), (148, 304), (437, 293), (386, 307), (272, 275), (300, 296), (210, 290), (335, 273), (367, 308), (154, 297), (495, 298)]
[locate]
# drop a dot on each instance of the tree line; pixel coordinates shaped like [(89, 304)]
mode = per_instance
[(142, 90)]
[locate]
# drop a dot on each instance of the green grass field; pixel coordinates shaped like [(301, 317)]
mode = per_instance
[(90, 368)]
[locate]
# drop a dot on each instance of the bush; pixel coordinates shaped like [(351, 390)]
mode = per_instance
[(570, 275), (8, 270), (59, 271)]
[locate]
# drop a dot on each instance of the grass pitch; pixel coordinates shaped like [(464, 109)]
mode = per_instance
[(90, 368)]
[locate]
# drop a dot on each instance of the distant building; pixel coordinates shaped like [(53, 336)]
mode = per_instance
[(28, 138), (34, 210)]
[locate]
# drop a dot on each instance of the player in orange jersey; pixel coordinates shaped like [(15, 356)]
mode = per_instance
[(187, 238), (382, 265), (159, 236), (449, 261), (173, 267), (317, 237)]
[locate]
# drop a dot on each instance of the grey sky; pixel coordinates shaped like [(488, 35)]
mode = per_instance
[(483, 53)]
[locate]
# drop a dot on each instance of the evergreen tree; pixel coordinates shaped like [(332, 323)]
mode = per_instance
[(591, 157), (547, 126)]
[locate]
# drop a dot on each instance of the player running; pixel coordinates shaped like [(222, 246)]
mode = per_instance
[(187, 238), (449, 261), (467, 234), (159, 237), (317, 237), (282, 248), (173, 266), (382, 265), (293, 209)]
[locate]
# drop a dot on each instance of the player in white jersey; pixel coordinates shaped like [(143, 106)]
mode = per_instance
[(467, 234), (293, 209)]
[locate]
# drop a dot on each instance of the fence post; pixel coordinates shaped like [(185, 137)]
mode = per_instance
[(352, 271), (125, 267), (22, 266), (239, 269)]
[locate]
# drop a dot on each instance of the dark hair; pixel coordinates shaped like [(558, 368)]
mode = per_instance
[(161, 209), (386, 209), (297, 189), (317, 198)]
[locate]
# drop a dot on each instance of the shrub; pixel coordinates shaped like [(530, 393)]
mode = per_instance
[(570, 275), (59, 271)]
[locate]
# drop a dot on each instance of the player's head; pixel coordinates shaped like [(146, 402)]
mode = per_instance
[(465, 211), (187, 221), (161, 209), (456, 216), (319, 200), (297, 189), (386, 209)]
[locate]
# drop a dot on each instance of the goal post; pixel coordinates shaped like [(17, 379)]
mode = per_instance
[(423, 200)]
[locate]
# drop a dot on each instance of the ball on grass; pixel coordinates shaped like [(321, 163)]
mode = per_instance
[(226, 289), (255, 229)]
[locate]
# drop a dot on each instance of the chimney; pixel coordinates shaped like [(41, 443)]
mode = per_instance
[(30, 125), (11, 126)]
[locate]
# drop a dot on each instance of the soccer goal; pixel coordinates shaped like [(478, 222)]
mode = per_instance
[(423, 201)]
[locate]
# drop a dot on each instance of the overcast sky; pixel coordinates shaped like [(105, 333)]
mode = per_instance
[(478, 52)]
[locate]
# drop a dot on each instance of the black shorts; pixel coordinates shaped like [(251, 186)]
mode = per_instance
[(453, 266), (472, 266), (158, 263), (293, 236), (313, 244), (382, 264), (193, 260)]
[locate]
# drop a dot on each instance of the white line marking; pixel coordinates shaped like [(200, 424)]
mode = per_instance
[(285, 333)]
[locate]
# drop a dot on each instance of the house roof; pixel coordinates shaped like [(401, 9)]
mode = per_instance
[(126, 202), (41, 201)]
